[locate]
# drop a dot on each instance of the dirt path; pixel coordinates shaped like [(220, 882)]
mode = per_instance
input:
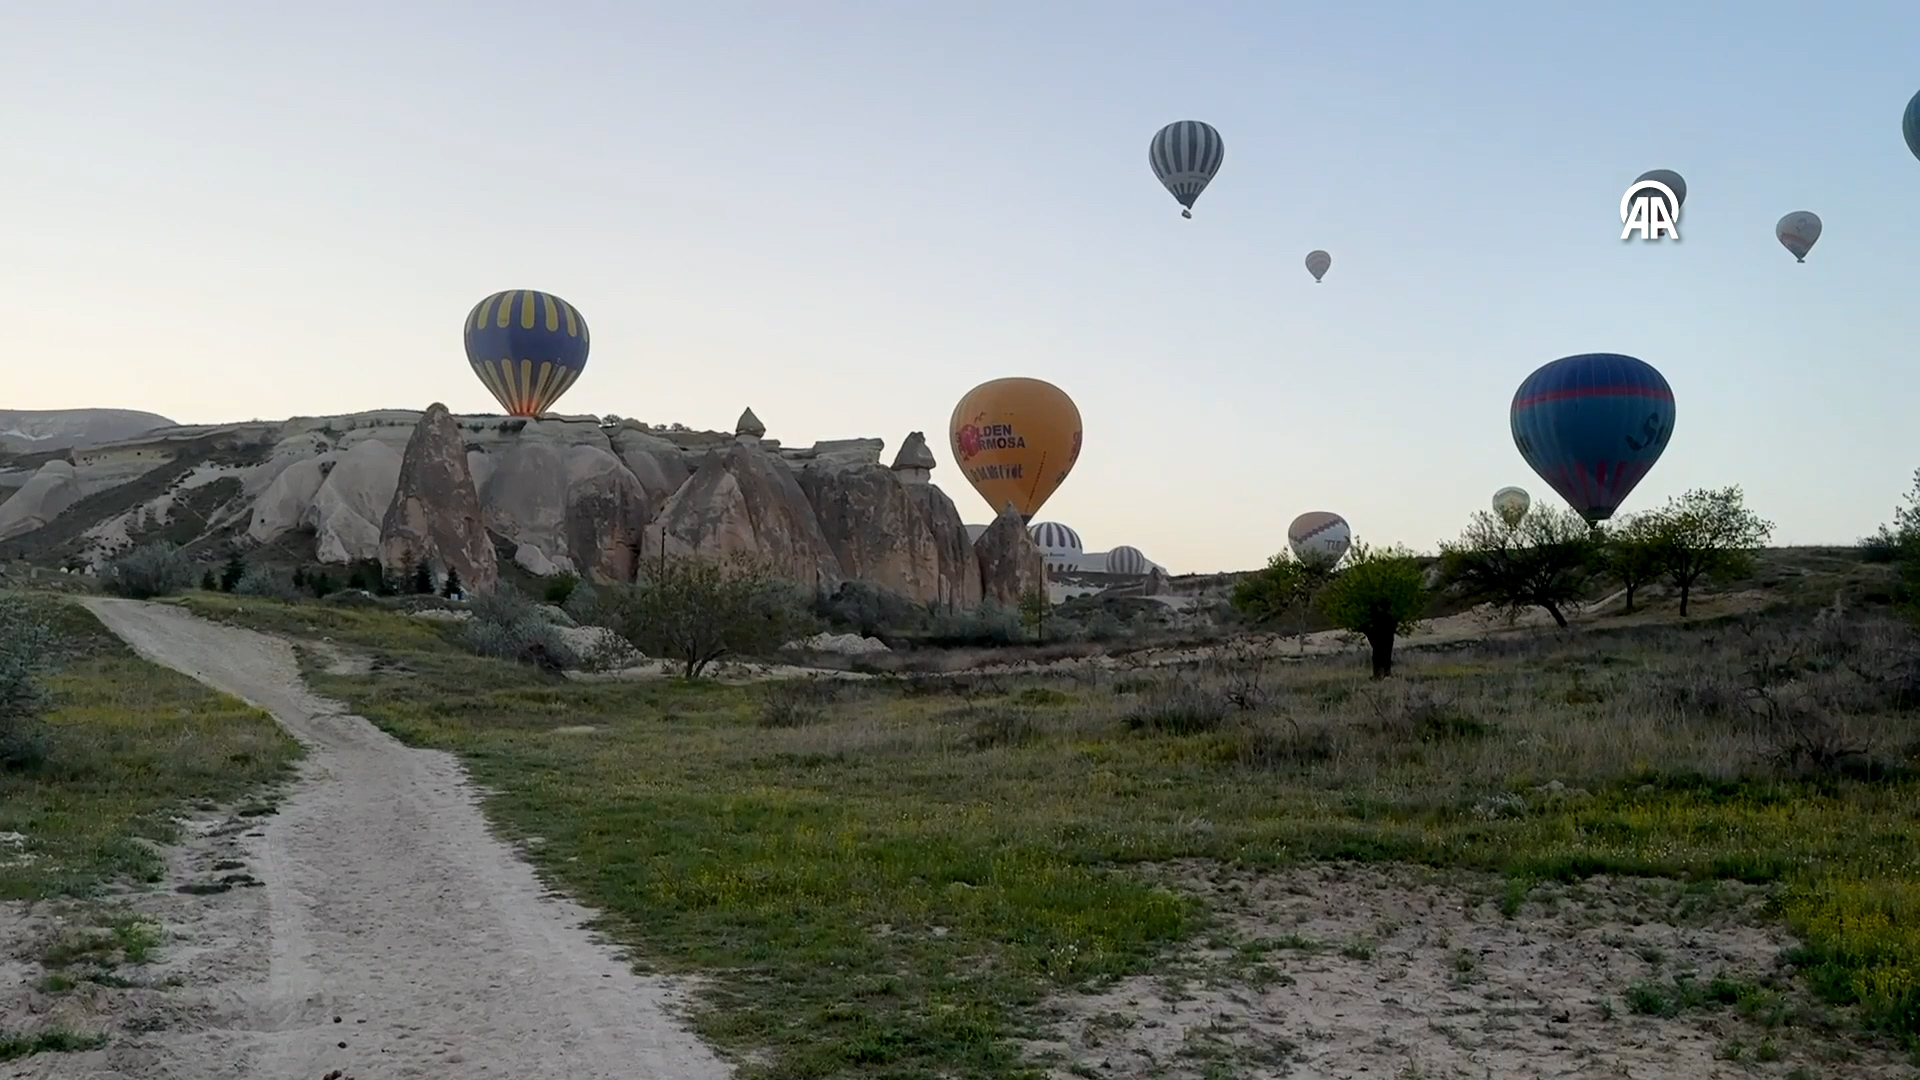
[(396, 936)]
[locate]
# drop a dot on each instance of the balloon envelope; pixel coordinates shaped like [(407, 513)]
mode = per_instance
[(1185, 155), (528, 347), (1317, 263), (1797, 232), (1319, 538), (1910, 125), (1672, 180), (1511, 504), (1592, 426), (1015, 439)]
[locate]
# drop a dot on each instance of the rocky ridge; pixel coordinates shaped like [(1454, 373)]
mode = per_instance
[(563, 494)]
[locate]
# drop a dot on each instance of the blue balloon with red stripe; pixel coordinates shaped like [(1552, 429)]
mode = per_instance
[(1592, 426)]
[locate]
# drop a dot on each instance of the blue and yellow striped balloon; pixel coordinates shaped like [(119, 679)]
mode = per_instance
[(528, 347)]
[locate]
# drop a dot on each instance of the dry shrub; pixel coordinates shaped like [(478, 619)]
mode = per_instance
[(794, 703), (1281, 744), (1183, 707)]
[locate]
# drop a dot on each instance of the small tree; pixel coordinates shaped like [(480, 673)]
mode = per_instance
[(150, 570), (1706, 533), (1545, 561), (423, 578), (699, 610), (1034, 605), (1379, 595), (1631, 555), (452, 587), (231, 573), (1285, 586), (209, 583)]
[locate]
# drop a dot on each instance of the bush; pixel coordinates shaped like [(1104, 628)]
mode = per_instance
[(560, 588), (507, 626), (265, 583), (1184, 708), (860, 607), (25, 640), (150, 570), (581, 602), (989, 625), (697, 611)]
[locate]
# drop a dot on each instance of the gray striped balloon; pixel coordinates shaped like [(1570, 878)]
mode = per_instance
[(1185, 155)]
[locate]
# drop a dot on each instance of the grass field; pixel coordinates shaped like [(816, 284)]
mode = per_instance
[(126, 745), (886, 878)]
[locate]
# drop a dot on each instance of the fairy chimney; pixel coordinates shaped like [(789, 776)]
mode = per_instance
[(914, 463), (749, 430)]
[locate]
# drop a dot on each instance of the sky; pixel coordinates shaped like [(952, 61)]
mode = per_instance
[(845, 215)]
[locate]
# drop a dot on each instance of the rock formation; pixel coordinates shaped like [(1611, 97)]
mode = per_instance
[(435, 513), (1010, 562), (564, 494)]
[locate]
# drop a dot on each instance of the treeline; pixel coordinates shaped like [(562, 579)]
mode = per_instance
[(1550, 559)]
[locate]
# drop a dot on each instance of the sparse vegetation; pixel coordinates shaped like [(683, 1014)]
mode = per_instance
[(508, 626), (1631, 555), (150, 570), (26, 641)]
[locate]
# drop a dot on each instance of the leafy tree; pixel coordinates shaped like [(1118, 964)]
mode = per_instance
[(1631, 554), (699, 610), (1379, 595), (423, 578), (208, 582), (1545, 561), (1706, 533), (1034, 606), (232, 572), (451, 588)]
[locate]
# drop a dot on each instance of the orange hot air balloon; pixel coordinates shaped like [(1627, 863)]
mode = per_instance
[(1016, 439)]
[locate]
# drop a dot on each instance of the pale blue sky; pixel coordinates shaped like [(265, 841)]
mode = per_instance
[(846, 215)]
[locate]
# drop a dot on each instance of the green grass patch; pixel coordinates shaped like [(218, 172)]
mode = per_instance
[(51, 1041), (888, 889), (128, 744)]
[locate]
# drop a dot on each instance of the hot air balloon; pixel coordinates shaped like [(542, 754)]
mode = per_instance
[(1674, 183), (1127, 559), (1319, 538), (1592, 426), (1016, 439), (528, 347), (1910, 125), (1317, 263), (1185, 155), (1797, 233), (1511, 504)]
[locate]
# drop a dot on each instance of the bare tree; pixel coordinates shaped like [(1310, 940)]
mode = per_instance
[(1545, 561)]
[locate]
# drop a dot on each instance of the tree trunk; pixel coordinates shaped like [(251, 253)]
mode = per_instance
[(1382, 653), (1629, 608), (1684, 590), (1558, 619)]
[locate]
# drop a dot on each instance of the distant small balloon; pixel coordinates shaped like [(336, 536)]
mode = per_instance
[(1910, 125), (1319, 538), (1672, 180), (1511, 504), (1317, 263), (1797, 232)]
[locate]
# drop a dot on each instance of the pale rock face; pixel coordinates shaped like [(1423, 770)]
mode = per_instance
[(286, 453), (435, 512), (51, 489), (900, 536), (284, 503), (607, 510), (347, 510), (523, 497), (744, 501), (1011, 565), (659, 465), (534, 561)]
